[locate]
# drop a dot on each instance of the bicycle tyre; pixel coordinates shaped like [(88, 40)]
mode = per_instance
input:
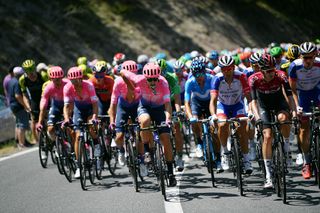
[(43, 149), (59, 154), (52, 153), (91, 162), (238, 163), (160, 176), (100, 159), (209, 159), (65, 163), (260, 157), (132, 164), (83, 161)]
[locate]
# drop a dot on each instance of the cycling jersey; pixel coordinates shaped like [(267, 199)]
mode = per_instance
[(53, 95), (33, 88), (173, 84), (269, 94), (151, 97), (192, 87), (104, 89), (230, 94), (81, 101), (248, 72), (119, 94)]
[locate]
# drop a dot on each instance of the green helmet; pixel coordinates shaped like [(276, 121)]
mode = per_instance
[(236, 59), (162, 64), (276, 51), (85, 69), (29, 66), (82, 60)]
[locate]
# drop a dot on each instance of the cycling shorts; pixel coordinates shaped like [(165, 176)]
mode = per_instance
[(266, 115), (83, 114), (123, 114), (305, 98), (103, 107), (231, 111), (200, 107), (55, 115)]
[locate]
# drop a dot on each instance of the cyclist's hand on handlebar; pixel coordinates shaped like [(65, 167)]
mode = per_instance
[(193, 120), (65, 123), (213, 118), (299, 110), (112, 126), (259, 123), (168, 122), (39, 127)]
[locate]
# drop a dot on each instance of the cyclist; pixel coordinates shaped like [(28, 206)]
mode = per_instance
[(304, 75), (293, 53), (87, 72), (53, 95), (277, 53), (180, 71), (118, 58), (266, 89), (174, 88), (226, 102), (213, 57), (154, 105), (80, 98), (141, 61), (103, 84), (31, 87), (197, 99), (124, 103)]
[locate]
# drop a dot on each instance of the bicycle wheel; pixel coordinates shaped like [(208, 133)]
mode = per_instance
[(91, 162), (209, 157), (100, 159), (111, 157), (315, 158), (260, 157), (186, 142), (238, 164), (53, 150), (132, 164), (58, 154), (83, 165), (160, 171), (43, 149), (66, 161)]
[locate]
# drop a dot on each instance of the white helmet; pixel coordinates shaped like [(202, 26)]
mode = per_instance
[(41, 66)]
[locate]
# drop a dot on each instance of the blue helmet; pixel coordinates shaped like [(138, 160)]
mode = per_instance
[(197, 66), (213, 55), (161, 56)]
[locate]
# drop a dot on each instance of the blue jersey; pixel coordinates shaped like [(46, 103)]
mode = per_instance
[(248, 72), (192, 88)]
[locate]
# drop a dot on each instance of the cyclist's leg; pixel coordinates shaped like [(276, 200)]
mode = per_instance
[(267, 146), (35, 109), (196, 113), (54, 115), (223, 127)]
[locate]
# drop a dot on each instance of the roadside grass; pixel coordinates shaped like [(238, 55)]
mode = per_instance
[(10, 147)]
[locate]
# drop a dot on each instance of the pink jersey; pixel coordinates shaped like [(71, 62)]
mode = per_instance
[(119, 93), (152, 98), (81, 101), (53, 94)]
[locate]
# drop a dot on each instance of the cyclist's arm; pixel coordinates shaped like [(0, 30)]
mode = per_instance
[(187, 97), (94, 110), (112, 112), (254, 103), (168, 110), (177, 102), (44, 104), (293, 85), (213, 102)]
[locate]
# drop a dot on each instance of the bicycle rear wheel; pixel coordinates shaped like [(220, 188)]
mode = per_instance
[(43, 149), (238, 163), (83, 165), (209, 157)]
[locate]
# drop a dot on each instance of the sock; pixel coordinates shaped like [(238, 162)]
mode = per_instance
[(307, 158), (267, 163), (170, 168), (245, 157), (286, 146)]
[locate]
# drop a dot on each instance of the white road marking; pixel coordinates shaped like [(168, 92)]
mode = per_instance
[(173, 204), (19, 154)]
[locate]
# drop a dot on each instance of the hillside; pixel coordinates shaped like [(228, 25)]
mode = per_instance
[(59, 31)]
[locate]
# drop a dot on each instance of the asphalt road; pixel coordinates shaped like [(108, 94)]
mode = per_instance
[(26, 187)]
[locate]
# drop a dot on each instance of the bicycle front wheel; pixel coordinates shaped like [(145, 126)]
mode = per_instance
[(238, 163), (83, 165), (132, 164), (209, 151), (161, 171), (43, 149)]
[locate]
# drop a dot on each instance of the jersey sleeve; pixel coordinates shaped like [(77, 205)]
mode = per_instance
[(44, 76), (92, 94), (187, 90), (45, 97), (115, 93), (215, 85), (22, 84), (252, 87), (292, 71), (68, 97), (166, 92), (244, 83)]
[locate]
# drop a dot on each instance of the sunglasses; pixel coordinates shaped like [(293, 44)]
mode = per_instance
[(99, 75), (75, 80), (152, 79), (199, 74)]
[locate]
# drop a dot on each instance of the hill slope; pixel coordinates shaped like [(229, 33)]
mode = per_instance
[(61, 30)]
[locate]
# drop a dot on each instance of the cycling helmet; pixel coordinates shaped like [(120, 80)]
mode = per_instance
[(18, 71), (267, 62), (194, 54), (55, 72), (178, 65), (188, 64), (82, 60), (161, 56), (101, 66), (41, 66), (142, 59), (274, 44), (203, 59), (213, 55), (85, 69), (244, 56), (307, 47), (151, 70), (197, 66), (119, 57), (162, 64), (225, 61), (29, 66), (293, 52), (75, 73), (187, 56), (254, 58), (276, 52), (130, 66), (236, 59)]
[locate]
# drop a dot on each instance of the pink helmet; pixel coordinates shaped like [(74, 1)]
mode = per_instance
[(151, 70), (75, 73), (55, 72), (130, 66)]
